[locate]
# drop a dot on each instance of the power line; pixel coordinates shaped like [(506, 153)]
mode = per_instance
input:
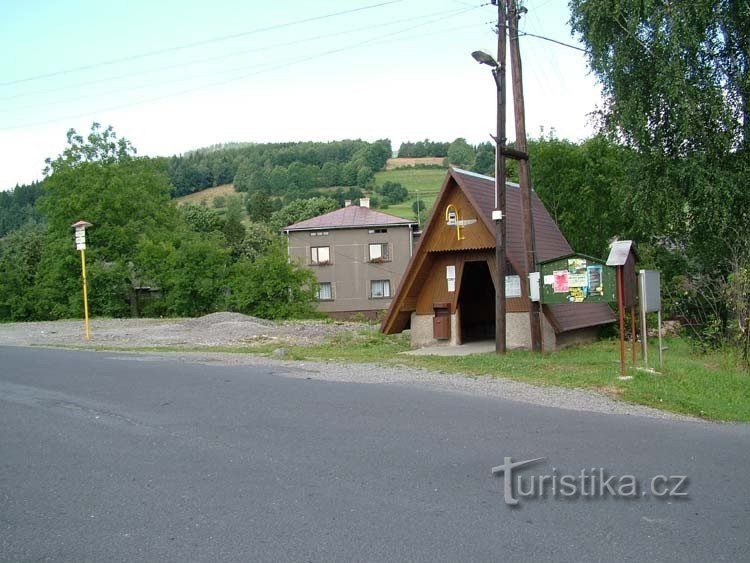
[(238, 78), (196, 43), (229, 55)]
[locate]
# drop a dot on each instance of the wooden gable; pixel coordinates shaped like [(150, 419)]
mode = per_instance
[(441, 237)]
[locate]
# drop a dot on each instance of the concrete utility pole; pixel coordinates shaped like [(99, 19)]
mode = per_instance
[(535, 321)]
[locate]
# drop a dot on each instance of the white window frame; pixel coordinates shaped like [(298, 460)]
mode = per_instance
[(315, 258), (330, 291), (384, 251), (385, 286)]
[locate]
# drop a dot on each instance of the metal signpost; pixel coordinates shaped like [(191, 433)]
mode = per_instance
[(80, 238), (649, 289)]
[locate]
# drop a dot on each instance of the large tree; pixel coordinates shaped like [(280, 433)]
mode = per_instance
[(676, 85), (99, 179)]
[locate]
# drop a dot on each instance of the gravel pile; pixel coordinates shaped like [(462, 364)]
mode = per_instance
[(216, 329)]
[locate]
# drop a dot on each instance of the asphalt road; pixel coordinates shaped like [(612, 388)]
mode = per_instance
[(107, 457)]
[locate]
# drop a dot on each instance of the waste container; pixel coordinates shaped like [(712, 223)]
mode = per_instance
[(441, 323)]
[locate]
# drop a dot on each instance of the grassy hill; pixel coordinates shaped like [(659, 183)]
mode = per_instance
[(208, 195), (425, 181)]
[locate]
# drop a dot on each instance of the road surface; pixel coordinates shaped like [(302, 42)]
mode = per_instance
[(122, 457)]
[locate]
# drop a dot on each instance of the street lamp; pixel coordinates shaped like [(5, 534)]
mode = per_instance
[(498, 213), (80, 228)]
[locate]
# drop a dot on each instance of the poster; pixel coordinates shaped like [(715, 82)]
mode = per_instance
[(577, 265), (578, 280), (596, 284), (512, 286), (560, 283)]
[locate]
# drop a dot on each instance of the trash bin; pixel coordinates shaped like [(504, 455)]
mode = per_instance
[(441, 323)]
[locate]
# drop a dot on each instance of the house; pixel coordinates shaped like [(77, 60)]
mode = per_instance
[(448, 290), (358, 256)]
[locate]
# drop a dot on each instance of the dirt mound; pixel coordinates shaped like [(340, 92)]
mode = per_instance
[(206, 322)]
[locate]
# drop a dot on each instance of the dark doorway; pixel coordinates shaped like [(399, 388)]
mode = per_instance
[(476, 302)]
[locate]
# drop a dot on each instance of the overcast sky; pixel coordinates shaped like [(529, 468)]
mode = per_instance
[(177, 75)]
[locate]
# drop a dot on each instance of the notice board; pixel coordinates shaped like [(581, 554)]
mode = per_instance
[(577, 278)]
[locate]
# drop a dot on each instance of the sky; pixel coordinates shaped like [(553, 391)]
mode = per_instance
[(174, 76)]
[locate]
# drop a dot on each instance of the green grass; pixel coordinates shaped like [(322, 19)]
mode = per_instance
[(708, 386), (426, 181)]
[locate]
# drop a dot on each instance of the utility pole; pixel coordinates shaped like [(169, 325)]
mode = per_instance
[(535, 321), (498, 215)]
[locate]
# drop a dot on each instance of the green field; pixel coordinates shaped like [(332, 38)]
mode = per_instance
[(426, 181)]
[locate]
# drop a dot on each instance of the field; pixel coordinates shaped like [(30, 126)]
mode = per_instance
[(405, 162), (424, 181), (208, 194)]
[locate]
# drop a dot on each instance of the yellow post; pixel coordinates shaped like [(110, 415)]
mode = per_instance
[(85, 296)]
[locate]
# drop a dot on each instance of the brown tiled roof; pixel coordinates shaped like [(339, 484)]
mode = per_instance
[(550, 243), (352, 216)]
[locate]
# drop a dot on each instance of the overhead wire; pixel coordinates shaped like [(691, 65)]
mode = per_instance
[(214, 58), (196, 44), (242, 77)]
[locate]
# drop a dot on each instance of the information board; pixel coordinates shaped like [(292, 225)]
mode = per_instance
[(578, 279)]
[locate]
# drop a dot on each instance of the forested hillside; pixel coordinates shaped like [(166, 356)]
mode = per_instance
[(288, 170)]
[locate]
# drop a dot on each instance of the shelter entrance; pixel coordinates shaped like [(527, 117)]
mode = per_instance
[(476, 302)]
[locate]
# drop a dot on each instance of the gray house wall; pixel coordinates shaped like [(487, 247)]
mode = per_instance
[(350, 271)]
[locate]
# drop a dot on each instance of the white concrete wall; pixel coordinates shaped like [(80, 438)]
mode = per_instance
[(421, 331), (517, 331)]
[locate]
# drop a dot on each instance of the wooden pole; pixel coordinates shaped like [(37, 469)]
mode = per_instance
[(499, 74), (621, 308), (633, 334), (523, 170)]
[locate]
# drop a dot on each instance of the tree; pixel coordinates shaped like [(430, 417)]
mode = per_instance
[(300, 210), (393, 192), (365, 177), (329, 174), (201, 219), (676, 84), (191, 269), (20, 254), (234, 230), (676, 81), (244, 176), (484, 163), (99, 179), (460, 153), (259, 206), (272, 287)]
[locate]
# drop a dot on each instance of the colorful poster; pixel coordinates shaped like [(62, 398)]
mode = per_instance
[(596, 284), (560, 284), (577, 265), (577, 280), (577, 294)]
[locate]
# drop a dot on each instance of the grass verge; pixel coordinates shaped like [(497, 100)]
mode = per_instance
[(710, 386)]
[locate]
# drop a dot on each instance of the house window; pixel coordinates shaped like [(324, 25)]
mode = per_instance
[(319, 233), (379, 252), (380, 289), (320, 255), (325, 291), (377, 231)]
